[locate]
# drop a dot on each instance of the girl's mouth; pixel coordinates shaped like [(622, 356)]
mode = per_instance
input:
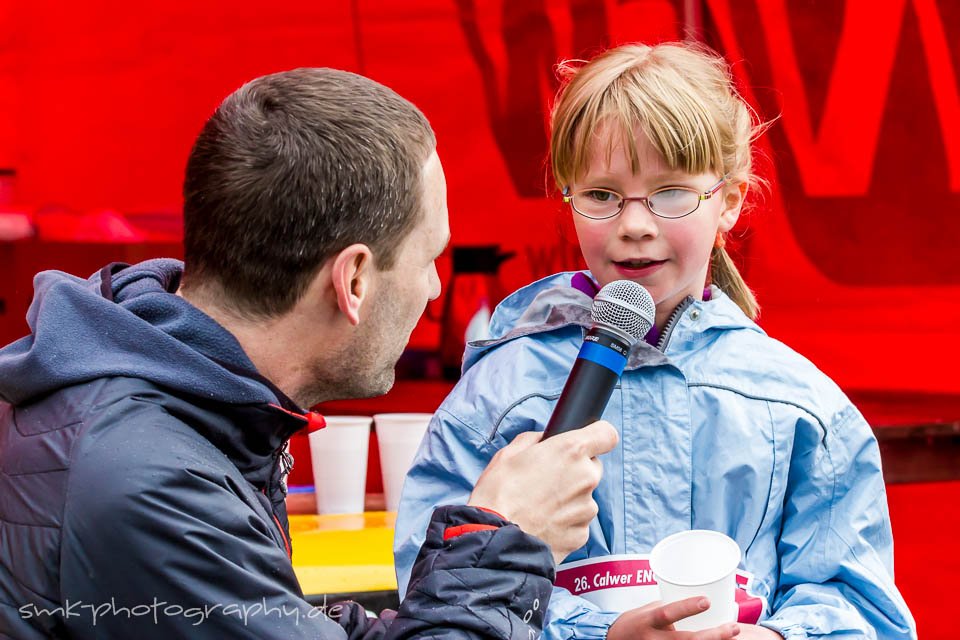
[(636, 268)]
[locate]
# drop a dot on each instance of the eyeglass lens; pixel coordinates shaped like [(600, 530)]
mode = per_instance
[(671, 203)]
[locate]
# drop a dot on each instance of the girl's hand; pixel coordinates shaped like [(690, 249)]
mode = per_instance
[(655, 621), (748, 631)]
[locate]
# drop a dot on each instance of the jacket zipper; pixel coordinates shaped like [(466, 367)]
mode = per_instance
[(671, 323), (276, 521), (285, 461), (286, 466), (286, 543)]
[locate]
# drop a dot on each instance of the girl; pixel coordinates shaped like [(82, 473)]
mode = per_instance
[(721, 426)]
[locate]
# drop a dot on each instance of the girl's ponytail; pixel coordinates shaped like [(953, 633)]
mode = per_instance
[(724, 274)]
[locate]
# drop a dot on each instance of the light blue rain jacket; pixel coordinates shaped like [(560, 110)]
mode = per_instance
[(722, 428)]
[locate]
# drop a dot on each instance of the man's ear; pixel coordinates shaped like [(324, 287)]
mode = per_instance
[(732, 204), (352, 274)]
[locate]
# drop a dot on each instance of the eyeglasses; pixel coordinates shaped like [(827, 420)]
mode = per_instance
[(668, 202)]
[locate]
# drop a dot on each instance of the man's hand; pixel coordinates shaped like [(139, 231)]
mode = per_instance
[(546, 487), (655, 621)]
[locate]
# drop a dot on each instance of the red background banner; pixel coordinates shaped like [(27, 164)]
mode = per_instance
[(851, 253)]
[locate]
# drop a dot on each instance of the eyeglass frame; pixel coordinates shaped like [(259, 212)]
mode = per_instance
[(701, 196)]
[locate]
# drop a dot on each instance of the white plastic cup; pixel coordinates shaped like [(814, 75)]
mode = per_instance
[(338, 453), (698, 563), (398, 437)]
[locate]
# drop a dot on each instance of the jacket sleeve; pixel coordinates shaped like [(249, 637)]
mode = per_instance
[(476, 576), (165, 541), (450, 460), (836, 545)]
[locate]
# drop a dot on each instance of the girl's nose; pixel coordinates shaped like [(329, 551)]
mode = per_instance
[(637, 221)]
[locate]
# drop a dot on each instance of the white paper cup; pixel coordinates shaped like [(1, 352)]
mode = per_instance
[(698, 563), (338, 453), (398, 437)]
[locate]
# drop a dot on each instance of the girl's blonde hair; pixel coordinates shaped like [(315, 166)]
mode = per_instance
[(683, 98)]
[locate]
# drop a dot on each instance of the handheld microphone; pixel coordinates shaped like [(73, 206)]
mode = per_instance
[(622, 313)]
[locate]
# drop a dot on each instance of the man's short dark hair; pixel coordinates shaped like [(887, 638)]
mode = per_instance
[(292, 168)]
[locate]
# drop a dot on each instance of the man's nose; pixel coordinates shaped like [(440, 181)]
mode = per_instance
[(435, 285)]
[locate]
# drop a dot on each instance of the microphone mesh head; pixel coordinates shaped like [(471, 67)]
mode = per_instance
[(624, 305)]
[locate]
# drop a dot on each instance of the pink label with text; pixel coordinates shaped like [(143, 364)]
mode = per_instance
[(621, 582)]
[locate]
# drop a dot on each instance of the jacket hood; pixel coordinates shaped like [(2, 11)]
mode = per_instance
[(565, 300), (127, 321)]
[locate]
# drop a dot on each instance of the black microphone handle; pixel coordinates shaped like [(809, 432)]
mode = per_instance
[(583, 399)]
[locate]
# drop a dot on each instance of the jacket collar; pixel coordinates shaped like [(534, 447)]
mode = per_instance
[(558, 302)]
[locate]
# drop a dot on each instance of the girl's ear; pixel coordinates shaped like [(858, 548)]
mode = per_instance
[(352, 275), (732, 204)]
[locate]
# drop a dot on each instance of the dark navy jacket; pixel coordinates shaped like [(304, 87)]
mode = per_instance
[(141, 488)]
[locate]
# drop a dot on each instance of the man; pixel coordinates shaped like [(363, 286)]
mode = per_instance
[(142, 441)]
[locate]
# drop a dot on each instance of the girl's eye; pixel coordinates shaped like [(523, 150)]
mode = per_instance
[(600, 195)]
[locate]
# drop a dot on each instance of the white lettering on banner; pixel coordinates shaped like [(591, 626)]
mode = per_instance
[(597, 574), (612, 580), (645, 576)]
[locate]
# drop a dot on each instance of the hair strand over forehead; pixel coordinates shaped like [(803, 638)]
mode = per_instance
[(681, 97)]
